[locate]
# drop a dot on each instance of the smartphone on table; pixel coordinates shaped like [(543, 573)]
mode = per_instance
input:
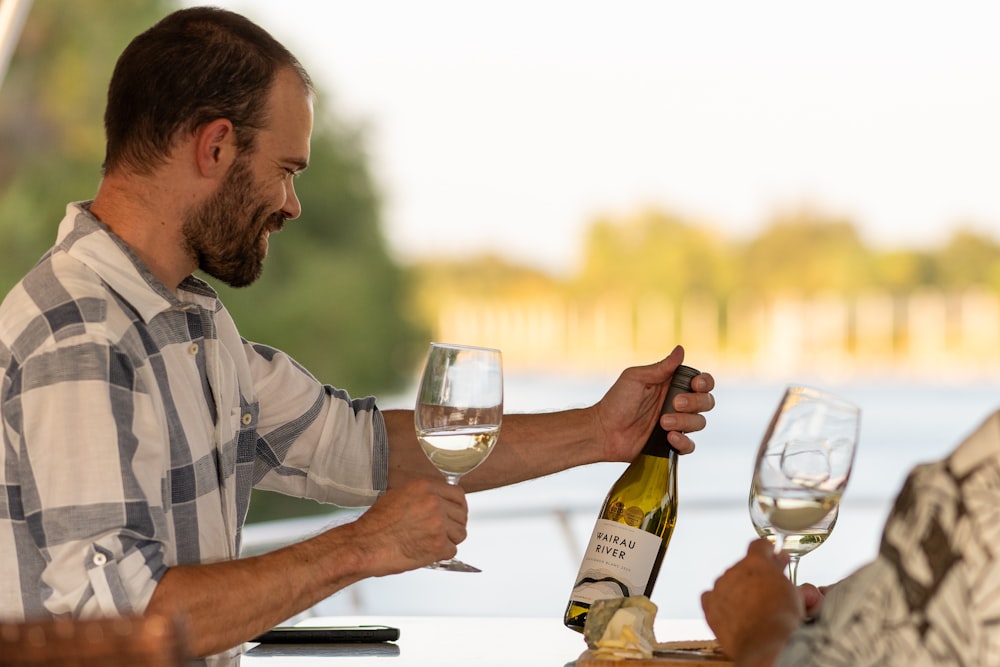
[(328, 634)]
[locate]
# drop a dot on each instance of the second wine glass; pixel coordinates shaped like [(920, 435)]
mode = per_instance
[(803, 464), (458, 413)]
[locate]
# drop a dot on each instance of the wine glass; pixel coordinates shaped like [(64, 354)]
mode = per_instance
[(802, 469), (458, 413), (796, 544)]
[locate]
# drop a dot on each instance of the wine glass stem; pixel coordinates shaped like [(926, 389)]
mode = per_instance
[(793, 569)]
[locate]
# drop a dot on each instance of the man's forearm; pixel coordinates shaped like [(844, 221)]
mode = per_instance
[(530, 446), (533, 445), (230, 602)]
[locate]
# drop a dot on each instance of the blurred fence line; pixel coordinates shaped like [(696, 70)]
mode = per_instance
[(920, 334)]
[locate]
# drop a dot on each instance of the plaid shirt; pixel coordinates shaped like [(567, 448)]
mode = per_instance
[(135, 422)]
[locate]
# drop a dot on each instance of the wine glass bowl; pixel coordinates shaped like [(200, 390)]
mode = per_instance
[(796, 544), (458, 450), (458, 412), (802, 469)]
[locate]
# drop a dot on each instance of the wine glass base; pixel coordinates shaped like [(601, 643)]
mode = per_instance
[(452, 565)]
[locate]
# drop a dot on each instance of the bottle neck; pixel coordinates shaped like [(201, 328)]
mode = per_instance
[(658, 445)]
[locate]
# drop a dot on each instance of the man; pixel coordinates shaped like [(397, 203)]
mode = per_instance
[(929, 598), (135, 418)]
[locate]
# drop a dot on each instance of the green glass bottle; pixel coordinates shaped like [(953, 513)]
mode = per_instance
[(635, 523)]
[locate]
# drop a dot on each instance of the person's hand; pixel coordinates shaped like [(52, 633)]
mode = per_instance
[(754, 608), (812, 598), (413, 525), (627, 412)]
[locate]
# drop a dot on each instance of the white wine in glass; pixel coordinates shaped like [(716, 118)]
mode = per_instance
[(796, 544), (802, 469), (458, 413)]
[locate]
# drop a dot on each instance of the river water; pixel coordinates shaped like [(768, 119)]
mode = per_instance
[(528, 538)]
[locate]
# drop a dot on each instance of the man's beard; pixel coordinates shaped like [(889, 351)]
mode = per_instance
[(225, 233)]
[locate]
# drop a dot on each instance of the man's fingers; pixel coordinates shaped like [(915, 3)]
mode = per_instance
[(763, 551), (703, 382), (681, 442)]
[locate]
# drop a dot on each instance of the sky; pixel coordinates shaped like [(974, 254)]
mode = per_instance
[(510, 126)]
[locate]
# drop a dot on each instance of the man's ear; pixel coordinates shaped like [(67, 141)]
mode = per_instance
[(215, 144)]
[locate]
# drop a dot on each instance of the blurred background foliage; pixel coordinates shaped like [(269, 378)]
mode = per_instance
[(332, 294)]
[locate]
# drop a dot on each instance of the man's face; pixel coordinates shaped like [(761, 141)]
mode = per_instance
[(228, 233)]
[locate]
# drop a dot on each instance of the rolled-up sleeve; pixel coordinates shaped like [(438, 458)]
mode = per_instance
[(335, 451)]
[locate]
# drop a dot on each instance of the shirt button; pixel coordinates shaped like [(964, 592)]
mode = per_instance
[(100, 559), (247, 418), (193, 349)]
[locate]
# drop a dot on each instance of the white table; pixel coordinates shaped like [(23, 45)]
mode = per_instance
[(434, 641)]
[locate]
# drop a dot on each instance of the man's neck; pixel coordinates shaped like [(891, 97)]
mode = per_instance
[(129, 208)]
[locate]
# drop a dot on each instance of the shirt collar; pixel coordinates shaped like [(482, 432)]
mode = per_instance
[(88, 240)]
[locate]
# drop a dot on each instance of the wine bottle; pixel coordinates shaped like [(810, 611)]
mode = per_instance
[(635, 522)]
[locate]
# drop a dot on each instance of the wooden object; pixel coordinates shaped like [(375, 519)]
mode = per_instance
[(656, 661), (707, 656), (139, 641)]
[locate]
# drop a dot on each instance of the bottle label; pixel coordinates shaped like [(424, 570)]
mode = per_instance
[(618, 563)]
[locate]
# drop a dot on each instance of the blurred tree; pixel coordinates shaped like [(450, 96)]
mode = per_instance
[(654, 253), (331, 294), (51, 112), (968, 259), (485, 276), (807, 252), (900, 271)]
